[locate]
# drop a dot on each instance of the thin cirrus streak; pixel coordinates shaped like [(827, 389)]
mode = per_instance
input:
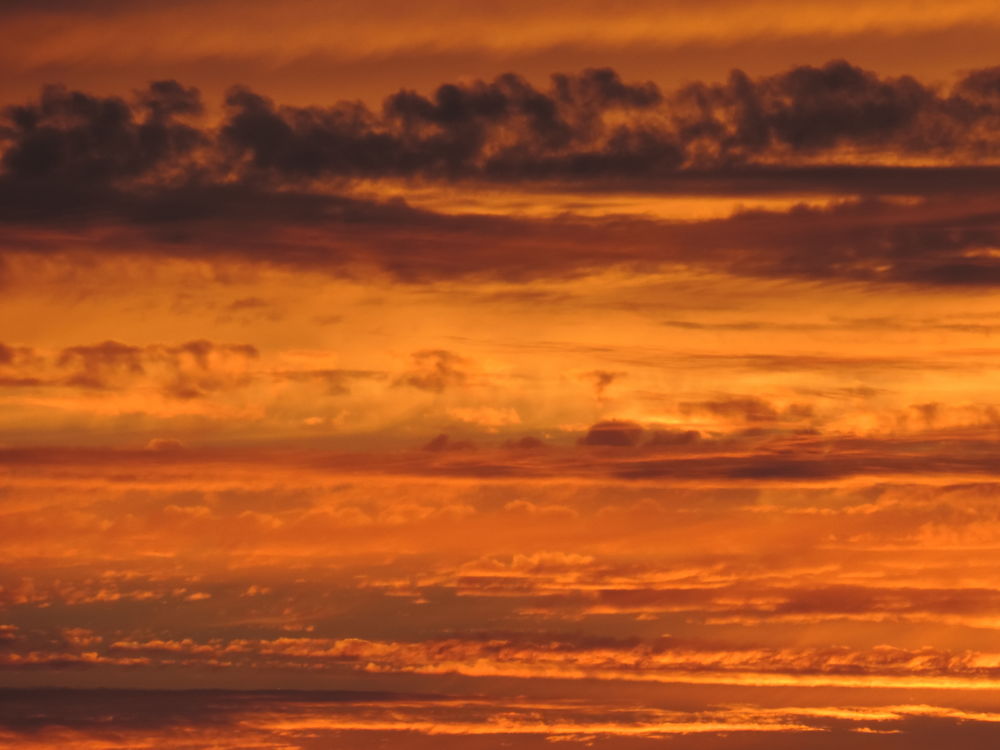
[(602, 376)]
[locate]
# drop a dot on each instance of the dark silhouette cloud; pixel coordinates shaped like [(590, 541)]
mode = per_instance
[(594, 125), (141, 175), (590, 124), (72, 136)]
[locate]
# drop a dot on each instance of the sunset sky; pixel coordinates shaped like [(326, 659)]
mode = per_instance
[(497, 375)]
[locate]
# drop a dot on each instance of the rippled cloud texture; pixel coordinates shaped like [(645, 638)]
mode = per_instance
[(443, 377)]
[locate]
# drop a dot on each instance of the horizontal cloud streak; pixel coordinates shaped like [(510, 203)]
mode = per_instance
[(146, 175), (590, 124)]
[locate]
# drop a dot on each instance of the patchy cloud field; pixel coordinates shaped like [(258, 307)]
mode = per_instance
[(476, 377)]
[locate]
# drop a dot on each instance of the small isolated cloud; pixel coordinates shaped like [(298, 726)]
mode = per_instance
[(615, 433), (602, 380)]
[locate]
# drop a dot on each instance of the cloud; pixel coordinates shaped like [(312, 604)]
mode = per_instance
[(746, 409), (247, 303), (593, 124), (19, 367), (662, 437), (185, 371), (70, 136), (525, 443), (309, 719), (435, 371), (582, 126), (92, 365), (140, 175), (10, 355), (602, 380), (338, 382), (948, 456), (664, 660), (944, 242), (613, 433), (442, 442)]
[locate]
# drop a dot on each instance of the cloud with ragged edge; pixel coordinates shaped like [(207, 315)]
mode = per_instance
[(588, 125), (601, 659), (153, 179)]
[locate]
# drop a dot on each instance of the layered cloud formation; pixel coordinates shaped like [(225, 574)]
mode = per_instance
[(906, 170), (456, 403)]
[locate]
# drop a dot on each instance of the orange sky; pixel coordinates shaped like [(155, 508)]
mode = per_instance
[(477, 376)]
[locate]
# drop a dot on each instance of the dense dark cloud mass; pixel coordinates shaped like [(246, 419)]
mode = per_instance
[(70, 135), (505, 128), (591, 124), (944, 242), (151, 165)]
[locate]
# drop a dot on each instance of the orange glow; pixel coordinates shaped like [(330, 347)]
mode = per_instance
[(460, 376)]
